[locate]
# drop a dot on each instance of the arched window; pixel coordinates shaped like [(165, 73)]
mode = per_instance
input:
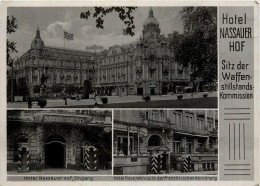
[(155, 140)]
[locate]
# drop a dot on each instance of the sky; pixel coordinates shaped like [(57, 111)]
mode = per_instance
[(53, 20)]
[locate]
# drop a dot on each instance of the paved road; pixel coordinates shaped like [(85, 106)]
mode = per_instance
[(186, 103), (134, 102)]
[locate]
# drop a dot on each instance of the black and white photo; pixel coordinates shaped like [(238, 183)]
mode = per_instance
[(112, 57), (59, 142), (174, 142)]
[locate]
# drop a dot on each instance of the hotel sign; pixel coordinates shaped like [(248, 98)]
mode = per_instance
[(63, 119), (67, 119)]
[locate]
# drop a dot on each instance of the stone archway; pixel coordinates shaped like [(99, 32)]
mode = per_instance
[(55, 152), (155, 140)]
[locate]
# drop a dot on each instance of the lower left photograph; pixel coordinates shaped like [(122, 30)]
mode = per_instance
[(59, 142)]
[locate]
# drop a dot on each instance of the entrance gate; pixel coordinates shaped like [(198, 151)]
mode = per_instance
[(55, 152)]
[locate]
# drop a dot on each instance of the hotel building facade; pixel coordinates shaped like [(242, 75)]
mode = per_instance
[(173, 135), (144, 67)]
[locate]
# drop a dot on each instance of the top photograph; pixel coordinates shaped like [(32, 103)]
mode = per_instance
[(112, 57)]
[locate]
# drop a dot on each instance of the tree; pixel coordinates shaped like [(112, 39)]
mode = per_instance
[(10, 45), (36, 89), (22, 88), (70, 89), (124, 13), (87, 87), (56, 88), (9, 88), (197, 47)]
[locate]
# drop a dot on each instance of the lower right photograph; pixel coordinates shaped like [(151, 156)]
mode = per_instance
[(175, 142)]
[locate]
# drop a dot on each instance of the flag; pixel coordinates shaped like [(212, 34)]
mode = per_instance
[(124, 31), (68, 36)]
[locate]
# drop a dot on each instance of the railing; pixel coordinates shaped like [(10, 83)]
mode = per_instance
[(175, 127), (199, 157)]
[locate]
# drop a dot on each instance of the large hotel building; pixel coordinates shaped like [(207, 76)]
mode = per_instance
[(171, 135), (145, 67)]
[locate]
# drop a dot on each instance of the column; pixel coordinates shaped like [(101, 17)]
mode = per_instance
[(31, 76), (206, 120), (38, 81), (40, 133), (195, 144), (214, 117), (74, 139), (171, 133), (138, 143), (128, 142)]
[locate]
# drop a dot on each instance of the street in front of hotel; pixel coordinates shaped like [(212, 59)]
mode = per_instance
[(133, 101)]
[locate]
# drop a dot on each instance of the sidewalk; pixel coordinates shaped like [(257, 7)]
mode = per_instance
[(111, 99)]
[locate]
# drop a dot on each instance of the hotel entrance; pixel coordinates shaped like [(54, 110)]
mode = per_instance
[(55, 152), (140, 91), (159, 150)]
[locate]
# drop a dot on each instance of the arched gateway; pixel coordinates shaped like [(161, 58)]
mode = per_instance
[(159, 150), (53, 140), (55, 151)]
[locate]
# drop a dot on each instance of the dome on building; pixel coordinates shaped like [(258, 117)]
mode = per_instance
[(37, 43), (151, 20)]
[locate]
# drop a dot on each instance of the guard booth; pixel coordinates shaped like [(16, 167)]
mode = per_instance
[(23, 158), (90, 158), (186, 166), (155, 164), (161, 154)]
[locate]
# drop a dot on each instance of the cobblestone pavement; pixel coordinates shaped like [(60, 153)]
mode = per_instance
[(62, 171), (111, 100)]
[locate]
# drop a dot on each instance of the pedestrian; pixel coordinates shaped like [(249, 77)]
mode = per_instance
[(167, 168), (38, 162), (29, 102), (95, 98), (65, 99)]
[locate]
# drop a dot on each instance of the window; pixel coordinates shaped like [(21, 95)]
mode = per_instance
[(176, 147), (200, 123), (151, 74), (176, 118), (189, 147), (122, 145), (189, 121)]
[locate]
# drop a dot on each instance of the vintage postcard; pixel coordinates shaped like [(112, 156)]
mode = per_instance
[(142, 91)]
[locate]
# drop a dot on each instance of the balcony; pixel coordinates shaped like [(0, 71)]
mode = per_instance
[(177, 128)]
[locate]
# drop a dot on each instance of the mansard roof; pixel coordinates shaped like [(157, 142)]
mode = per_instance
[(70, 53)]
